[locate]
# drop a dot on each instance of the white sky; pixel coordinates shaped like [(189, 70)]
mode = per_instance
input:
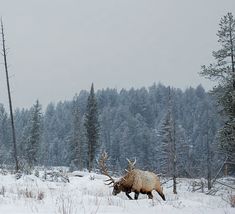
[(59, 47)]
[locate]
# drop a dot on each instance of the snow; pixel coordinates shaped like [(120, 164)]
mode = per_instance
[(87, 194)]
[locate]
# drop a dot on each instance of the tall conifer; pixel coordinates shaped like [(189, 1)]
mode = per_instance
[(34, 139), (92, 127), (223, 72)]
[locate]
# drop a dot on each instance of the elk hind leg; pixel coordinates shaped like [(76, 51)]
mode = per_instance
[(150, 195), (136, 195)]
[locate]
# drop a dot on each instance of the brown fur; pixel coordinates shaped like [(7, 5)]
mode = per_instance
[(138, 181)]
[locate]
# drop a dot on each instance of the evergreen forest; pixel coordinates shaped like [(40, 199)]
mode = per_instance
[(132, 124)]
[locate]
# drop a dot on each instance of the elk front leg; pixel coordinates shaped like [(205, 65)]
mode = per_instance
[(127, 194)]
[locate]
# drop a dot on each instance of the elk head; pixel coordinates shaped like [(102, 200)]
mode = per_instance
[(117, 185), (104, 170)]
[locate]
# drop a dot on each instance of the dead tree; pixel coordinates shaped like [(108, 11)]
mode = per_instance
[(169, 153), (9, 97), (208, 150), (174, 159)]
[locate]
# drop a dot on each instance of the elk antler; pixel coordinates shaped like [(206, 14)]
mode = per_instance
[(103, 167), (131, 165)]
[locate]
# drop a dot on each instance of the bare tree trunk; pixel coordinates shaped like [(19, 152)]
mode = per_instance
[(220, 170), (174, 160), (209, 184), (172, 142), (10, 102)]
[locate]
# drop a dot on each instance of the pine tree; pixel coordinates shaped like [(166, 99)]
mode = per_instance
[(22, 129), (34, 139), (49, 135), (92, 127), (75, 143), (168, 133), (223, 71)]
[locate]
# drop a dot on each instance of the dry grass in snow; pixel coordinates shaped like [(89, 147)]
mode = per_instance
[(84, 195)]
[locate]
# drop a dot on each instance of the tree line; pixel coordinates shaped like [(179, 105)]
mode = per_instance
[(130, 124)]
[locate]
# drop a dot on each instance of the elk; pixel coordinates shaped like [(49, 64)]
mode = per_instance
[(135, 180)]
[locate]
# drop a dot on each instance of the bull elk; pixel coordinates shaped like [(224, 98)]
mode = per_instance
[(134, 180)]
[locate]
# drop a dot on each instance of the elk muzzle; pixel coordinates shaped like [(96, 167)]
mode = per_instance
[(116, 188)]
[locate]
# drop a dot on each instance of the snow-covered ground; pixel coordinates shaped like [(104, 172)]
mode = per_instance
[(89, 195)]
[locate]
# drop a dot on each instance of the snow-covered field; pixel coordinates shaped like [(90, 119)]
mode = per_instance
[(89, 195)]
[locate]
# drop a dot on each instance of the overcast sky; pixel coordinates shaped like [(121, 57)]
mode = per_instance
[(59, 47)]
